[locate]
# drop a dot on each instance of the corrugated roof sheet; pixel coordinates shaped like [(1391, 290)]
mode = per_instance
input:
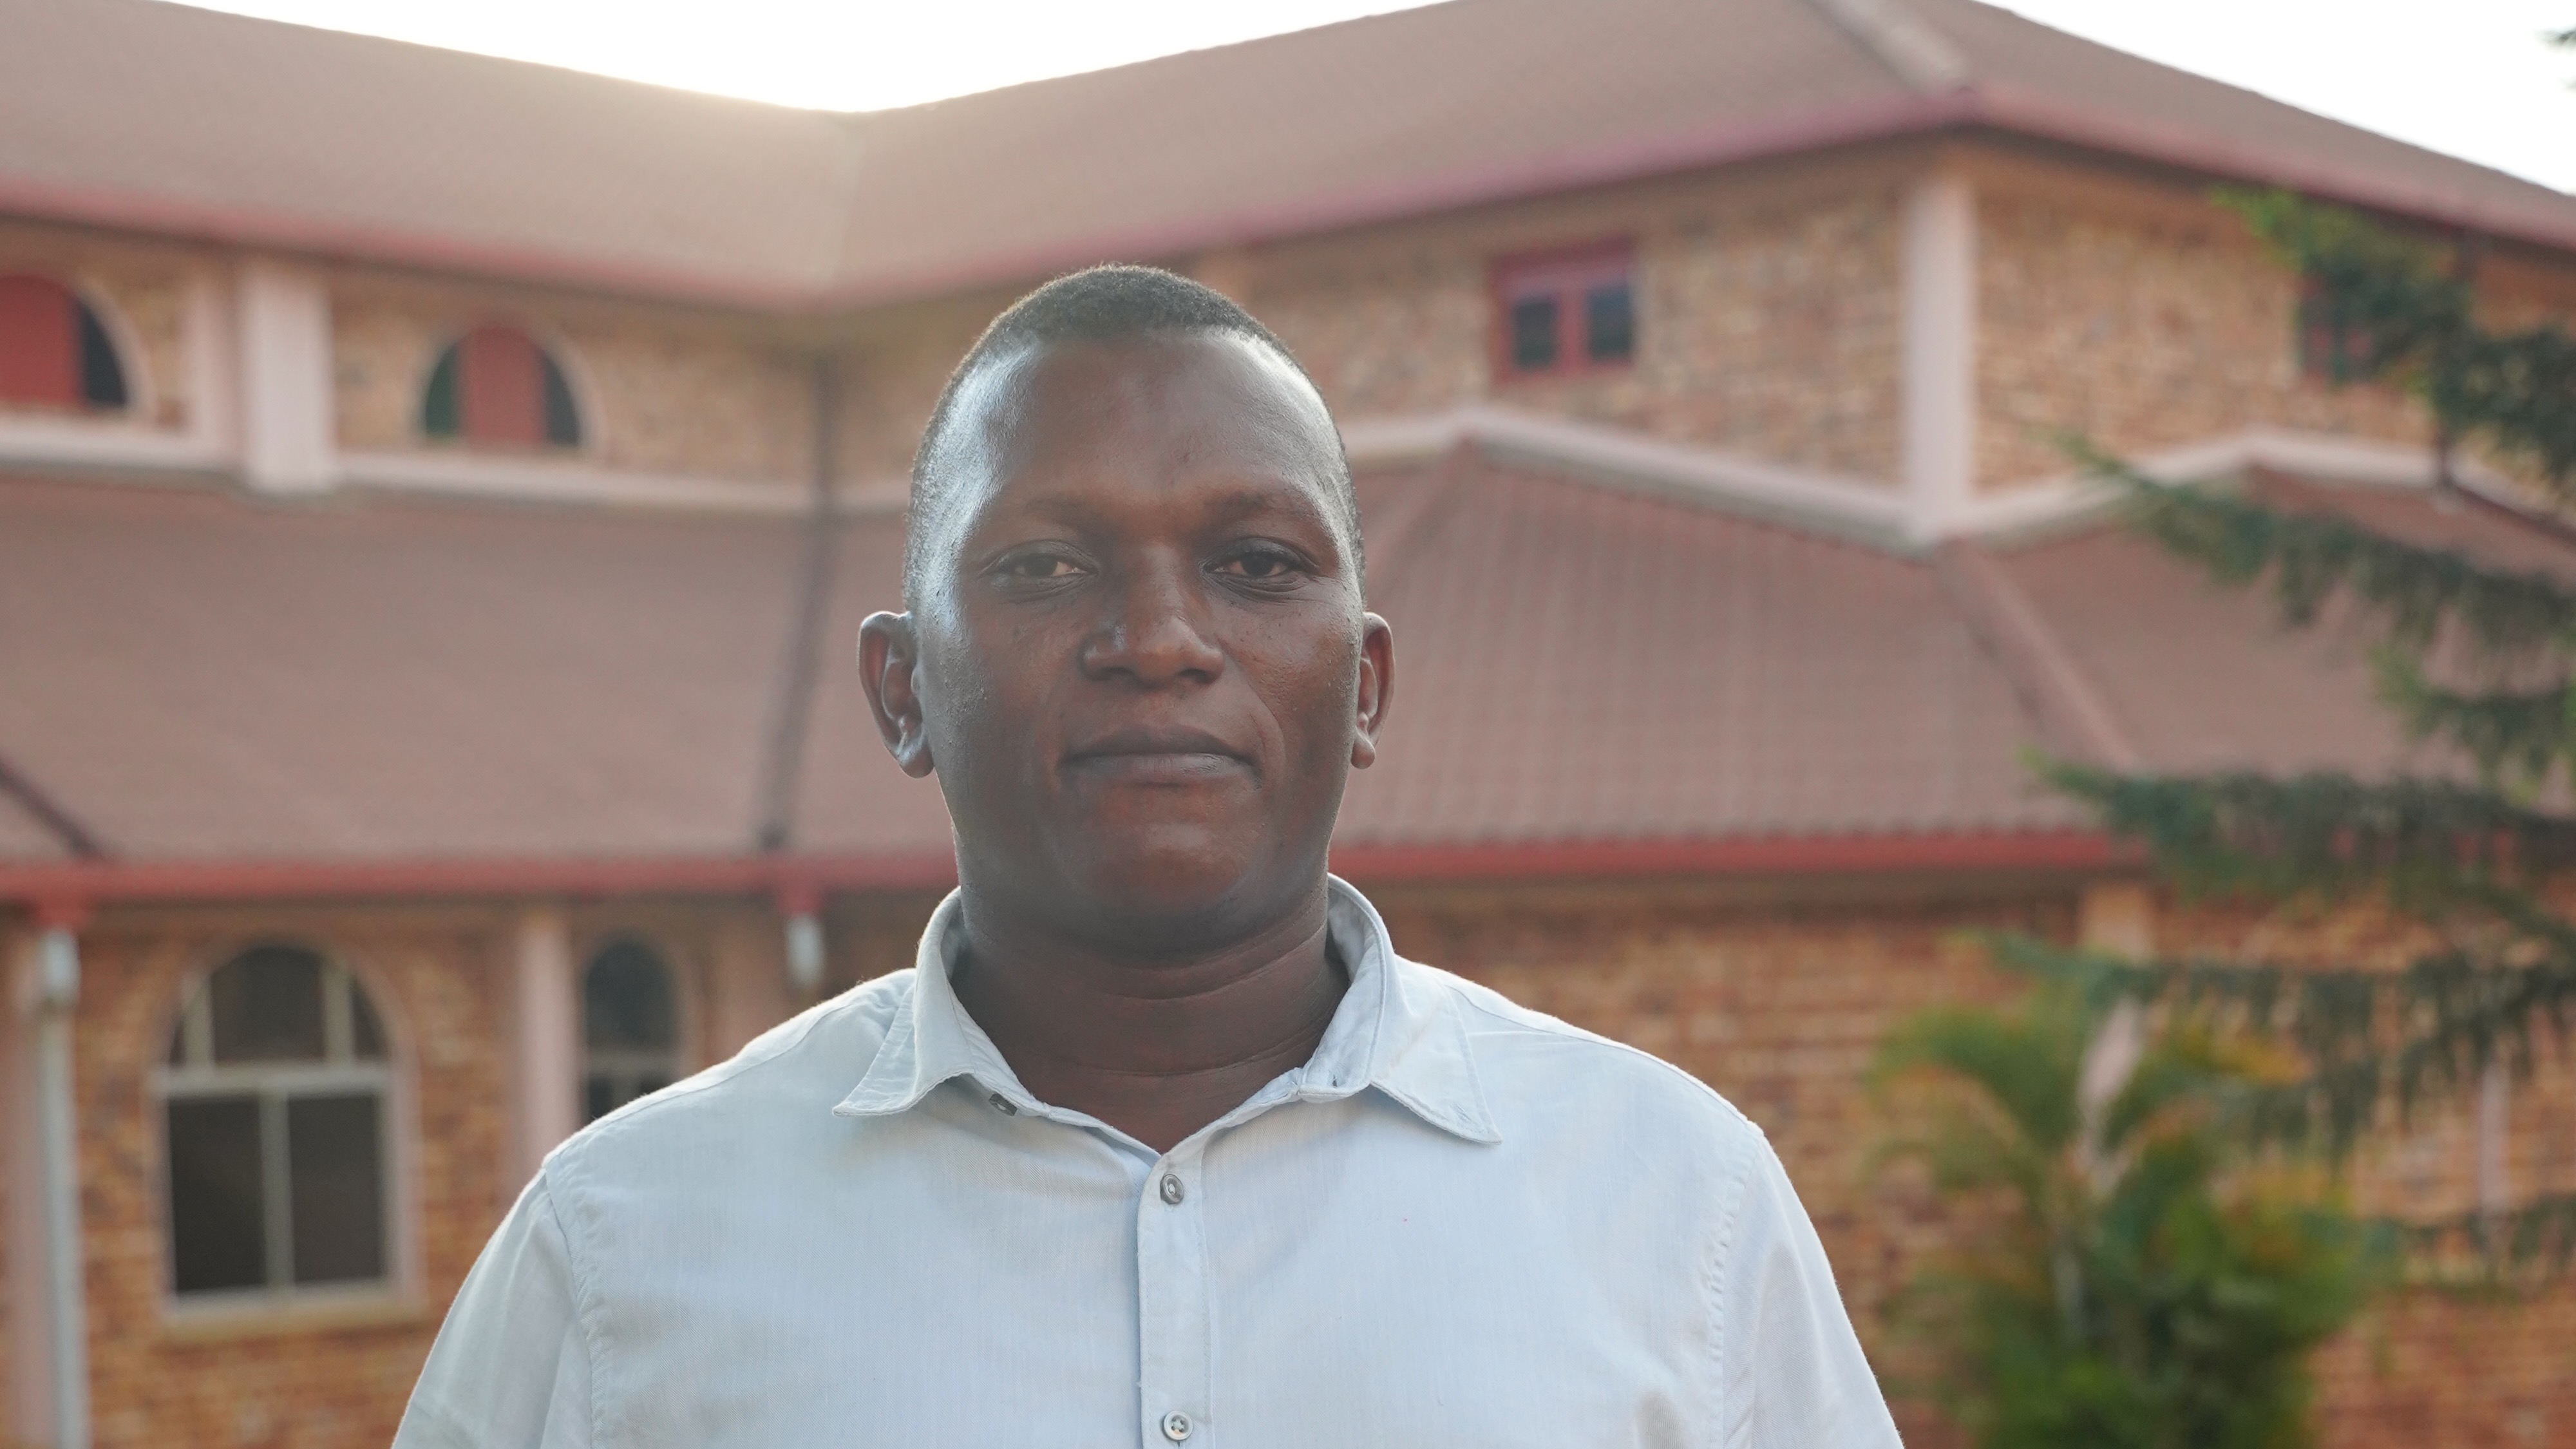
[(159, 116), (196, 675)]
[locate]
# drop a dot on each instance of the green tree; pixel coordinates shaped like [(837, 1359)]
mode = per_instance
[(2133, 1282), (2155, 1269)]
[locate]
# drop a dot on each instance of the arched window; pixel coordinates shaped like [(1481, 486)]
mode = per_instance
[(630, 1029), (276, 1096), (495, 386), (53, 350)]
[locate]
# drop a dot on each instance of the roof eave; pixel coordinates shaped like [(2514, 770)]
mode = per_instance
[(1983, 106)]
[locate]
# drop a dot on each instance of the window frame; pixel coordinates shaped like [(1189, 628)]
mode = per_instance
[(1568, 275), (2325, 346), (677, 1061), (273, 1086), (93, 312), (557, 361)]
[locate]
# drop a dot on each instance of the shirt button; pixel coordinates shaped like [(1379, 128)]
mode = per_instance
[(1003, 1105), (1172, 1195), (1176, 1426)]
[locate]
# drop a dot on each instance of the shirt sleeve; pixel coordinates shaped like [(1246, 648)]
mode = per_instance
[(1791, 1370), (510, 1369)]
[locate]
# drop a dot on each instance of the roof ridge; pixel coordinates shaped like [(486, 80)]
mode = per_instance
[(2063, 699), (75, 837), (1907, 44)]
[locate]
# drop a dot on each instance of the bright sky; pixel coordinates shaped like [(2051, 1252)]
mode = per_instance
[(2470, 77)]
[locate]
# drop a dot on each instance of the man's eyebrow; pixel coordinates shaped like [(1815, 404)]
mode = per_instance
[(1233, 504)]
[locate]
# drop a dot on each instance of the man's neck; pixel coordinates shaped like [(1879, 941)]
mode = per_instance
[(1155, 1046)]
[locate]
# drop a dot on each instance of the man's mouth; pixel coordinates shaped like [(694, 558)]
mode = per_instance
[(1144, 756)]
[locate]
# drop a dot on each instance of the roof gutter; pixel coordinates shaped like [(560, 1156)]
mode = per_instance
[(1965, 852), (70, 889)]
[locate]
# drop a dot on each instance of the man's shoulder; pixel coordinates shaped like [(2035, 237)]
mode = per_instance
[(786, 1079), (1544, 1070)]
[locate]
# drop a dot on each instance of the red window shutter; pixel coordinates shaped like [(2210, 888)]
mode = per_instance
[(39, 343), (504, 389)]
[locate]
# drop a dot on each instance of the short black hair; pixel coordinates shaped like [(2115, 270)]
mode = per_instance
[(1102, 304)]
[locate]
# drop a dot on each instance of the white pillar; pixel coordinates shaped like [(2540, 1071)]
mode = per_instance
[(282, 324), (1939, 381), (547, 1041), (22, 1252), (47, 1281), (2495, 1137), (2116, 918)]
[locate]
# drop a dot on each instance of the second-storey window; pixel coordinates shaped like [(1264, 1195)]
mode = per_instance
[(2333, 345), (1568, 311), (276, 1096), (496, 387), (53, 350)]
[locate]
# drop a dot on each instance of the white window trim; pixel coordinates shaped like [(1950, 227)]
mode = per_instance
[(672, 1065), (588, 412), (282, 1303)]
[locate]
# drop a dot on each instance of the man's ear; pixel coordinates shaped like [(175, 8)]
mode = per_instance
[(889, 655), (1376, 691)]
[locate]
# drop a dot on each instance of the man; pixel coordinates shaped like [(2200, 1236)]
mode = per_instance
[(1159, 1142)]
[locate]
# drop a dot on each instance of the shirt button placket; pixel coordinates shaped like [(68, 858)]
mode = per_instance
[(1173, 1319)]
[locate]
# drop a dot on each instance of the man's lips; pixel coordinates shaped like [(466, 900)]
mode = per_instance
[(1156, 756)]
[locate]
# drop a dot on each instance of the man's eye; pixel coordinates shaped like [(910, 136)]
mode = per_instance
[(1038, 567), (1262, 565)]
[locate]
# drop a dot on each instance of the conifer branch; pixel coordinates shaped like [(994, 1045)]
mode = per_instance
[(2365, 1038), (2509, 618), (2480, 1247), (2428, 840), (2517, 737)]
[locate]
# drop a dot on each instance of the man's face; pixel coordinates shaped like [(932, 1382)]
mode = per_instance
[(1139, 661)]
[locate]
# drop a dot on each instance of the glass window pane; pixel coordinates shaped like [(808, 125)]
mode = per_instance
[(336, 1177), (563, 419), (1534, 334), (102, 377), (268, 1006), (626, 998), (366, 1033), (438, 410), (217, 1236), (1609, 323)]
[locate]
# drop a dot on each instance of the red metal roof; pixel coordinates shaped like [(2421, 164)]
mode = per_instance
[(145, 114), (1587, 677)]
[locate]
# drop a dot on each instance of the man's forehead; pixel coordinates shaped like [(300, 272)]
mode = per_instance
[(1201, 380), (1227, 405)]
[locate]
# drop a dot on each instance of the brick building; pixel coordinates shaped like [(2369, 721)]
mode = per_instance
[(437, 495)]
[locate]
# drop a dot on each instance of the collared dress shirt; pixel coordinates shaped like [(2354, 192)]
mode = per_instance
[(1461, 1223)]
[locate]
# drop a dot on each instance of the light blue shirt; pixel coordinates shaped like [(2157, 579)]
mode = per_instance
[(1462, 1223)]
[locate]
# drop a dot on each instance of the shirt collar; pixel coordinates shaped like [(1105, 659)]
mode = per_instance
[(1398, 1029)]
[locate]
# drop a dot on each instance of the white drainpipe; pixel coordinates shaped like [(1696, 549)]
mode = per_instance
[(58, 991)]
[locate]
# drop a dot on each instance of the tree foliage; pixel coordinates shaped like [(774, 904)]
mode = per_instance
[(2135, 1283), (2414, 314), (2154, 1271)]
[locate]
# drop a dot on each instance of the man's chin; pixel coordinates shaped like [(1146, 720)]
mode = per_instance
[(1182, 890)]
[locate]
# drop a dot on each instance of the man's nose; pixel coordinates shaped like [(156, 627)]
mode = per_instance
[(1156, 630)]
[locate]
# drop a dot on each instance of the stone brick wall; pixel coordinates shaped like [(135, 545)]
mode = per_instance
[(2131, 309), (280, 1382), (143, 287), (1769, 316), (663, 390), (1779, 1003), (895, 361), (1776, 997)]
